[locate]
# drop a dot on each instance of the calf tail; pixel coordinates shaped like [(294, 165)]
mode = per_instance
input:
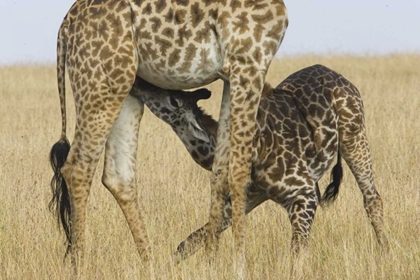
[(331, 192)]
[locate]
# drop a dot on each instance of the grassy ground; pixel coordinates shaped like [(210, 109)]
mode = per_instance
[(174, 191)]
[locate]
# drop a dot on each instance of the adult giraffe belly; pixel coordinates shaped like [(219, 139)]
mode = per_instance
[(179, 68)]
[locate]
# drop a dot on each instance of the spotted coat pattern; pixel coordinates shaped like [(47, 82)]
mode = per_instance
[(301, 126), (176, 44)]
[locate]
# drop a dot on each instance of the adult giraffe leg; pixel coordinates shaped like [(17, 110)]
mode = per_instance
[(101, 70), (246, 86), (119, 175), (90, 136), (219, 178), (247, 82)]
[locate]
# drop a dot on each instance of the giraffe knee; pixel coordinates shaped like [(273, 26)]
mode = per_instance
[(122, 190), (77, 176)]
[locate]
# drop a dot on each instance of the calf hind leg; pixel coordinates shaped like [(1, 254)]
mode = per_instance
[(356, 153)]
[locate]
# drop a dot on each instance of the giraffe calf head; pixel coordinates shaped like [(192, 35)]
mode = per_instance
[(177, 108), (184, 112)]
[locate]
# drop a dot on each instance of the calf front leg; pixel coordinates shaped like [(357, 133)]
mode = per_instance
[(197, 239)]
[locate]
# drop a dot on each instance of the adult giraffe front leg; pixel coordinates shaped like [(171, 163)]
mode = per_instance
[(219, 179), (246, 86), (247, 56)]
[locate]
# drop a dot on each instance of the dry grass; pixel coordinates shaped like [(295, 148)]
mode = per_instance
[(174, 191)]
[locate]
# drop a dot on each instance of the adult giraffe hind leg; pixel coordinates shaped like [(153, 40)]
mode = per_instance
[(90, 136), (119, 175), (101, 75)]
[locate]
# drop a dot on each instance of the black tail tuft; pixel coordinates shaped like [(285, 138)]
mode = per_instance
[(60, 202), (331, 192)]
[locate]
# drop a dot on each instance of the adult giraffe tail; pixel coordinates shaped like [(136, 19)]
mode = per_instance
[(60, 202), (331, 192)]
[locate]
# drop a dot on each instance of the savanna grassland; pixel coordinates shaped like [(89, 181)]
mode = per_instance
[(174, 192)]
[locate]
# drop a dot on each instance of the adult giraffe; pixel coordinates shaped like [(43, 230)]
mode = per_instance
[(174, 45)]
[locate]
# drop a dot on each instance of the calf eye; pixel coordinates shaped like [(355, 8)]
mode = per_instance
[(174, 102)]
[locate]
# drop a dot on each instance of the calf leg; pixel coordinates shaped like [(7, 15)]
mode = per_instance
[(355, 151), (301, 215), (197, 239)]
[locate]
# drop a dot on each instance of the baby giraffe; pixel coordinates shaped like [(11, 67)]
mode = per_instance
[(311, 117)]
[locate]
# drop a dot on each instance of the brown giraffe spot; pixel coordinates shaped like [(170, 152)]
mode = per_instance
[(182, 2), (168, 32), (184, 33), (170, 15), (202, 35), (256, 4), (105, 52), (99, 11), (268, 44), (116, 23), (163, 45), (160, 5), (189, 56), (156, 24), (180, 16), (250, 71), (257, 55), (235, 4), (240, 25), (223, 18), (148, 9), (161, 64), (276, 31), (213, 14), (263, 18), (197, 15)]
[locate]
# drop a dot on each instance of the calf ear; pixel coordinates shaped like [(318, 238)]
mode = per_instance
[(194, 96), (202, 93), (195, 129)]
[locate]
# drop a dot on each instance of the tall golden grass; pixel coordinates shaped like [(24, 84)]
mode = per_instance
[(174, 191)]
